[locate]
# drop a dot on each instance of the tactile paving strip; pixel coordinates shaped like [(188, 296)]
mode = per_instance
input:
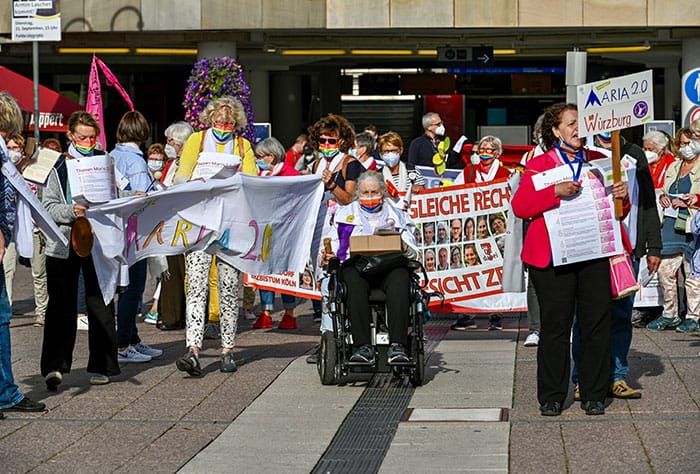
[(364, 438)]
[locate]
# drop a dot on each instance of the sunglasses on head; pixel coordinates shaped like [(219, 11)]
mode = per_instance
[(330, 141)]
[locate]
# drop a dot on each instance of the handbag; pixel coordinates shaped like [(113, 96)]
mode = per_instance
[(680, 223), (378, 264), (623, 281)]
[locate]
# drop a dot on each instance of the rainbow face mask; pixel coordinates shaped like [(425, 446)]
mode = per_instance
[(222, 132), (328, 151), (371, 204), (85, 147), (487, 155)]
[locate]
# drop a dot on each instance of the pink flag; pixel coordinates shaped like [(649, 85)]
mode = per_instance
[(94, 99)]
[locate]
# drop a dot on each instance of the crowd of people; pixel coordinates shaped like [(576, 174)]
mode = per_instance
[(367, 185)]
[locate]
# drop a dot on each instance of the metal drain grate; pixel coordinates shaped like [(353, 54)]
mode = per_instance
[(365, 436)]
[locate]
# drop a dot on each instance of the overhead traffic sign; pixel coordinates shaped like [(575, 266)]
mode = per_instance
[(690, 100), (468, 56), (615, 103)]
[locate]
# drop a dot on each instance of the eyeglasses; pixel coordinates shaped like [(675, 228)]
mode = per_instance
[(487, 150), (15, 148), (260, 156), (330, 141)]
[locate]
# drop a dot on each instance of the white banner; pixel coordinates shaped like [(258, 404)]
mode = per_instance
[(616, 103), (461, 234), (260, 226)]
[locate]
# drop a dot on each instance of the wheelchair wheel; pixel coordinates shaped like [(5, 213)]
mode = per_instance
[(418, 372), (328, 359)]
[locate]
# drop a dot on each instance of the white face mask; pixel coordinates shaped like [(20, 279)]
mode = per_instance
[(14, 156), (440, 130), (391, 158), (475, 159), (155, 165), (695, 146), (651, 156), (687, 152), (170, 152)]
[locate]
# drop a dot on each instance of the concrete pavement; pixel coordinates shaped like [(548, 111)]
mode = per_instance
[(477, 411)]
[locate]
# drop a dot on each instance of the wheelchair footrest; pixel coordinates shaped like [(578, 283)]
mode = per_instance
[(371, 363)]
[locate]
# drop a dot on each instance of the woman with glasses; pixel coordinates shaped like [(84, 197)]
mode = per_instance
[(485, 165)]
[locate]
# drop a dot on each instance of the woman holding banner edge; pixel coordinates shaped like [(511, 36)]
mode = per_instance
[(224, 116), (583, 286)]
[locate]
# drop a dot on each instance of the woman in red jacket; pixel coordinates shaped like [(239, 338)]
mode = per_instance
[(583, 287)]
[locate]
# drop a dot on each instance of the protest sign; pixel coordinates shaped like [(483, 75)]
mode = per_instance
[(615, 103), (211, 164), (91, 178), (261, 226)]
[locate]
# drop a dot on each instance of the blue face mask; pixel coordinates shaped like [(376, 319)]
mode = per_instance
[(353, 152), (262, 165)]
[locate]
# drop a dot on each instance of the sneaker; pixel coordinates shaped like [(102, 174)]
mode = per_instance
[(288, 321), (53, 379), (397, 354), (577, 393), (189, 363), (26, 405), (689, 325), (495, 323), (550, 409), (661, 323), (227, 362), (99, 379), (313, 357), (363, 354), (532, 339), (249, 315), (620, 389), (464, 323), (151, 318), (212, 331), (264, 321), (639, 319), (593, 408), (83, 323), (38, 321), (143, 348), (130, 354)]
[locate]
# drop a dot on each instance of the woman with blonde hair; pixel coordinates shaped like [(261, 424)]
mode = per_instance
[(225, 117)]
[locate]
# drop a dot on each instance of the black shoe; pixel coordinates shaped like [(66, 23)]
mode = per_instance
[(313, 357), (53, 380), (464, 323), (169, 326), (550, 409), (495, 323), (2, 417), (189, 363), (227, 362), (593, 408), (364, 354), (27, 405), (397, 354)]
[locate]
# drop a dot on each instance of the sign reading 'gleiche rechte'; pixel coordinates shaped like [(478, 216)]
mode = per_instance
[(616, 103)]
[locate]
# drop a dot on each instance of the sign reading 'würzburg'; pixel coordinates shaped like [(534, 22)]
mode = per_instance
[(616, 103)]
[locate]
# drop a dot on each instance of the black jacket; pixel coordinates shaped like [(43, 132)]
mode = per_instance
[(648, 224)]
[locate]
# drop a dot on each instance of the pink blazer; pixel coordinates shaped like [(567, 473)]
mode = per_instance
[(528, 203)]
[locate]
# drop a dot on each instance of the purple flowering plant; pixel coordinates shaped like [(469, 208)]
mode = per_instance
[(215, 77)]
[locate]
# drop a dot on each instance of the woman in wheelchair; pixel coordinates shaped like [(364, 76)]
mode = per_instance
[(372, 210)]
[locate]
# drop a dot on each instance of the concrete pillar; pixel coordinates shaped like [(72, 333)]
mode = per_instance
[(329, 90), (286, 107), (259, 83), (671, 93), (215, 49)]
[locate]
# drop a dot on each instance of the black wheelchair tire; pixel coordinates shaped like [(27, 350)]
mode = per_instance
[(417, 375), (328, 359)]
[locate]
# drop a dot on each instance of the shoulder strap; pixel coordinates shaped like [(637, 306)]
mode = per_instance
[(470, 176), (241, 148), (62, 171), (314, 167), (201, 141)]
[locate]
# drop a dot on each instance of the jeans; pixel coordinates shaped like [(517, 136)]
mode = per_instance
[(267, 299), (128, 305), (9, 392), (620, 337)]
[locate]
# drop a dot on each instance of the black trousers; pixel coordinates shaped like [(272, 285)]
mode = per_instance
[(396, 286), (60, 325), (584, 288), (171, 304)]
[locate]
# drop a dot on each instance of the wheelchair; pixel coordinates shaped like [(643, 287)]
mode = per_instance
[(336, 347)]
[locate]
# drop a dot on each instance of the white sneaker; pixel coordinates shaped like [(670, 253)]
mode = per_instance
[(130, 354), (143, 348), (249, 315), (532, 339), (83, 323)]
